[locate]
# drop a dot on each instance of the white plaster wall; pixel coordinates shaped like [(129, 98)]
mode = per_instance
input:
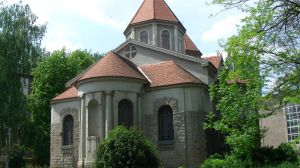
[(58, 107), (196, 99), (146, 56), (109, 85), (151, 97)]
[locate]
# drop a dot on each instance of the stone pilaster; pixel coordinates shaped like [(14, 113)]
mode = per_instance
[(140, 111), (154, 34), (108, 111), (176, 38)]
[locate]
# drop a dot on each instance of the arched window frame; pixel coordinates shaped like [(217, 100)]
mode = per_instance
[(165, 135), (146, 36), (68, 128), (93, 107), (162, 41), (121, 114)]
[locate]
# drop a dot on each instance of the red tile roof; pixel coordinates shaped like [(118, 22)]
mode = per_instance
[(190, 47), (154, 10), (113, 65), (69, 93), (168, 73), (215, 60)]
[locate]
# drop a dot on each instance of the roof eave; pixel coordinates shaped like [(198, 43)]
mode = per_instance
[(130, 25), (101, 78), (186, 84), (64, 100)]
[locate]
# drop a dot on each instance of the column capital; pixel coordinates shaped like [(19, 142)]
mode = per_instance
[(108, 93), (140, 95)]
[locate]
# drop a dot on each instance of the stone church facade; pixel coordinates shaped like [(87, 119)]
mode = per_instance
[(156, 81)]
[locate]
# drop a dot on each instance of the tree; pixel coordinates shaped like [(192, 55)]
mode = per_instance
[(126, 148), (49, 80), (237, 94), (272, 29), (267, 45), (20, 39)]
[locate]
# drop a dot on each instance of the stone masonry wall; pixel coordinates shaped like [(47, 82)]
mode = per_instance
[(172, 155), (64, 156)]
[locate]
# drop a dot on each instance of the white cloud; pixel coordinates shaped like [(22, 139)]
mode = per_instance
[(104, 12), (61, 37), (222, 29)]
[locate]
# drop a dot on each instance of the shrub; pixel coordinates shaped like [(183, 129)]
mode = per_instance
[(213, 163), (126, 148), (228, 162), (270, 156), (283, 165), (288, 153), (16, 156)]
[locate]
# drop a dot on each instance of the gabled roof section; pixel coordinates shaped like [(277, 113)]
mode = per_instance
[(216, 61), (154, 10), (68, 94), (113, 65), (168, 73), (190, 47), (159, 49)]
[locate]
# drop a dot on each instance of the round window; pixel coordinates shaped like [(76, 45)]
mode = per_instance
[(130, 52)]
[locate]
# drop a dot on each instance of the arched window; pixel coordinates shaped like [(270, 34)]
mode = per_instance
[(144, 37), (93, 118), (180, 44), (68, 124), (125, 113), (165, 39), (165, 123)]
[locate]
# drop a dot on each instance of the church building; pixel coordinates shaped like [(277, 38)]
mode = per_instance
[(156, 81)]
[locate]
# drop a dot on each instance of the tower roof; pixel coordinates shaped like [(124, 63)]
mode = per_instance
[(112, 65), (190, 47), (154, 10)]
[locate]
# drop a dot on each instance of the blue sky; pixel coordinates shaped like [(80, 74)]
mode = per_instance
[(98, 25)]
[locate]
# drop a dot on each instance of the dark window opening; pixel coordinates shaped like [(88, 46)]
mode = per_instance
[(125, 113), (165, 125), (144, 37), (68, 130), (165, 37)]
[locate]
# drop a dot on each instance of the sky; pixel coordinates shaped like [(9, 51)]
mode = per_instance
[(98, 25)]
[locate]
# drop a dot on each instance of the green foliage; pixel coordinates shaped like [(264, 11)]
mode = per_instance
[(272, 29), (79, 60), (20, 39), (16, 156), (227, 162), (126, 148), (283, 165), (237, 95), (270, 156), (49, 80), (267, 45), (213, 163)]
